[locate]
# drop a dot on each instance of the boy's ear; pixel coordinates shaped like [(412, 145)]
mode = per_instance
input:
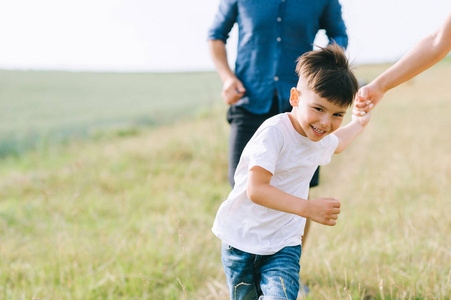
[(294, 96)]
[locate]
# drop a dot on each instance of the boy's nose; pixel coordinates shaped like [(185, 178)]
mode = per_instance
[(325, 122)]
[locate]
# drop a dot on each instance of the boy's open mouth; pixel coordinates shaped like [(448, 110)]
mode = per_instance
[(319, 131)]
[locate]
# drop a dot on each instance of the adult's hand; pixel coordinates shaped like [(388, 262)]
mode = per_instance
[(367, 98), (232, 90)]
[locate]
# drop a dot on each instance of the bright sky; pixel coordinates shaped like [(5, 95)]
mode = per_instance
[(143, 35)]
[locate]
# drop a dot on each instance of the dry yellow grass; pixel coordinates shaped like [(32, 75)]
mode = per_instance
[(130, 217)]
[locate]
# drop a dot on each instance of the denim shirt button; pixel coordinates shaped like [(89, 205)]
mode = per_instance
[(276, 78), (279, 39)]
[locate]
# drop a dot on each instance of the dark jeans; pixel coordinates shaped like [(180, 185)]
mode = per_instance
[(243, 125)]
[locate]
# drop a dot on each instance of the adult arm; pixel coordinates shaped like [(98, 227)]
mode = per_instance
[(425, 54), (233, 88), (218, 34), (260, 191)]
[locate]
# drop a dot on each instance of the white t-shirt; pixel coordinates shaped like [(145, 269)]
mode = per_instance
[(292, 159)]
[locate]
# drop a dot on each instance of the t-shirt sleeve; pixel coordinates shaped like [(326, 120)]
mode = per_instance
[(330, 143), (264, 149)]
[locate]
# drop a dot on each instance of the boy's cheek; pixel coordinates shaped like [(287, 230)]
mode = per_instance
[(337, 124)]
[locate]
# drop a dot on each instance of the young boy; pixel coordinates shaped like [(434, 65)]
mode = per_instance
[(262, 221)]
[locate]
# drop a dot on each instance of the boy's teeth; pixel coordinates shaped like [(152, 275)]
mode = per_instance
[(317, 130)]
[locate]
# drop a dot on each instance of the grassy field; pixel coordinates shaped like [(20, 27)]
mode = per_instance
[(129, 216), (41, 109)]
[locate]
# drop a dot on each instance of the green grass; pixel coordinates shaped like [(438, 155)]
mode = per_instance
[(41, 109), (129, 217), (109, 219)]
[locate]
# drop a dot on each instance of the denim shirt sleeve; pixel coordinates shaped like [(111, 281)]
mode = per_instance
[(332, 21), (223, 21)]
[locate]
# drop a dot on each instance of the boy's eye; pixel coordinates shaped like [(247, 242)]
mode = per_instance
[(339, 115), (318, 108)]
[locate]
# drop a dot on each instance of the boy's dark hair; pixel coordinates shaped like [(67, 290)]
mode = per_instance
[(328, 74)]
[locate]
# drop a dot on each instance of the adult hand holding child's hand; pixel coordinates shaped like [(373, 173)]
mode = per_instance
[(361, 111), (367, 97)]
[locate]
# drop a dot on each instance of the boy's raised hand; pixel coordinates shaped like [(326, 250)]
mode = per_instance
[(323, 210)]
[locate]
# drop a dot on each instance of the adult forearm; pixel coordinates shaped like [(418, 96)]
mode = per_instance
[(218, 53), (425, 54), (422, 57), (233, 88)]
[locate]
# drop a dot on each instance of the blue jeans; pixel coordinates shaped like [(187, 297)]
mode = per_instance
[(270, 277)]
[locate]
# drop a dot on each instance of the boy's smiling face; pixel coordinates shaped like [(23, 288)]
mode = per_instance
[(312, 116)]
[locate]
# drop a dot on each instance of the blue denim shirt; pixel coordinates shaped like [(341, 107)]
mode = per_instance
[(272, 35)]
